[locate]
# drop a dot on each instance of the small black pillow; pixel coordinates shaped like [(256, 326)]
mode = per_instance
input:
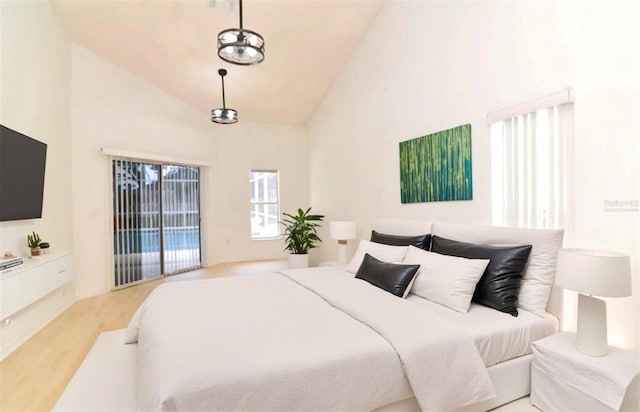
[(391, 277), (500, 283), (419, 241)]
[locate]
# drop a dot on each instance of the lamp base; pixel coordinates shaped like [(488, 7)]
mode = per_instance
[(343, 251), (592, 326)]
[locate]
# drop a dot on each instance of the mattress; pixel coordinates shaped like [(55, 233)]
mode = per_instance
[(497, 335)]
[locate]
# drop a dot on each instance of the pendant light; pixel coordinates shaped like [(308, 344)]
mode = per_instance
[(224, 115), (240, 46)]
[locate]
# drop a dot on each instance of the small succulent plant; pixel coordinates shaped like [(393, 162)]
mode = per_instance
[(33, 241)]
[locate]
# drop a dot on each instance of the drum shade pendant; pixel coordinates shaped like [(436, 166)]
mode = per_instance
[(224, 115), (240, 46)]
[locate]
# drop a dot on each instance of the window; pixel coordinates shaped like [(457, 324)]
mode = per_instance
[(530, 165), (265, 209)]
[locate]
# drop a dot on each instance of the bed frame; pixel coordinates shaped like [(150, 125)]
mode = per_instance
[(512, 378)]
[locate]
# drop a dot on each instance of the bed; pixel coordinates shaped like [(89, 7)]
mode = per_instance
[(322, 339)]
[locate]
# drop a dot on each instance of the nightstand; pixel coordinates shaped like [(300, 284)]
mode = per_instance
[(564, 379)]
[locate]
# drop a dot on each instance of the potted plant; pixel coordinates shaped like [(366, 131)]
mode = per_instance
[(44, 247), (33, 242), (301, 234)]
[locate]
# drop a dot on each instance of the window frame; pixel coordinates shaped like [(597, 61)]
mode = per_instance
[(276, 203)]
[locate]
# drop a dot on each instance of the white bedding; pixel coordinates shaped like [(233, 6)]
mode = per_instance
[(498, 336), (440, 360), (266, 342)]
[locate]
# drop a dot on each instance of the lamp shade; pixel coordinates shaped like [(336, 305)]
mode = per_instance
[(594, 272), (342, 230)]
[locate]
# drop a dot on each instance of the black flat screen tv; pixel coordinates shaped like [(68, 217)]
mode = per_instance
[(22, 165)]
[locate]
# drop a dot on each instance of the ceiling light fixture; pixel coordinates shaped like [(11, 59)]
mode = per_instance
[(224, 115), (240, 46)]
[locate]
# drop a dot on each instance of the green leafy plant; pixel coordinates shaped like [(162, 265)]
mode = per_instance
[(44, 245), (301, 231), (33, 241)]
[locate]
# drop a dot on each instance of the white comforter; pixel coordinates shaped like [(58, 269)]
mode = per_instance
[(312, 339)]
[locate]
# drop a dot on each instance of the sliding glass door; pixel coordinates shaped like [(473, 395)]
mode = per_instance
[(156, 209), (181, 218)]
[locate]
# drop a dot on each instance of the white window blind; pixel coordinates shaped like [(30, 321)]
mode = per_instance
[(531, 164)]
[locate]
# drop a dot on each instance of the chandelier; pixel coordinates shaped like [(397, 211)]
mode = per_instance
[(240, 46), (224, 115)]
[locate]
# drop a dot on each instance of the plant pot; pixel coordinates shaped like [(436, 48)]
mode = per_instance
[(298, 261), (44, 251), (35, 251)]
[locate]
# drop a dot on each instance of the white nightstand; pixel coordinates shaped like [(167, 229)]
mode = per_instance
[(564, 379)]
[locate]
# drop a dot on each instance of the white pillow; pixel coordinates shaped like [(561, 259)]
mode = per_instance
[(447, 280), (385, 253), (538, 275)]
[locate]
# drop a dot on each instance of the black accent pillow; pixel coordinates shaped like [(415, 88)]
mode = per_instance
[(391, 277), (500, 283), (420, 241)]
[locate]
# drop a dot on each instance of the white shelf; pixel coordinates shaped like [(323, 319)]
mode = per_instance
[(22, 285)]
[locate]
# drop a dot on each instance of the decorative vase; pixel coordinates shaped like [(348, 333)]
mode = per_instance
[(44, 247), (297, 261)]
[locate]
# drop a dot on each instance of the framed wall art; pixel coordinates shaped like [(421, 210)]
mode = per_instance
[(437, 167)]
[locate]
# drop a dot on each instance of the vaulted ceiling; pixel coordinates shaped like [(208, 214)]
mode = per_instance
[(172, 44)]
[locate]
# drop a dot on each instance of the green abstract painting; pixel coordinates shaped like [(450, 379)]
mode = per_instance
[(437, 167)]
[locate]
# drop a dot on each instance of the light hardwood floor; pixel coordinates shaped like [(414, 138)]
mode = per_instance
[(34, 376)]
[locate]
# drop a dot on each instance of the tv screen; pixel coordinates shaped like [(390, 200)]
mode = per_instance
[(22, 163)]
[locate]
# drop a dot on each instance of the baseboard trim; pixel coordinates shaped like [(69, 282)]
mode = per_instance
[(9, 348)]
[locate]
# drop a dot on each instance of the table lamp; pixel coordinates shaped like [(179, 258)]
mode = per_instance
[(599, 273), (342, 231)]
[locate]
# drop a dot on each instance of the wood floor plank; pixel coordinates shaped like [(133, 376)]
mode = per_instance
[(33, 377)]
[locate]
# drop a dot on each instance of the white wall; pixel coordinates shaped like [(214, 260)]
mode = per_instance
[(429, 66), (34, 97), (112, 108), (254, 146)]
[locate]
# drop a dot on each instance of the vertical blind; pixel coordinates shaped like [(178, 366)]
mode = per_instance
[(156, 220), (530, 166)]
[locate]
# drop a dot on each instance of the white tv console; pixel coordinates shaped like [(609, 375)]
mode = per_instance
[(22, 285)]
